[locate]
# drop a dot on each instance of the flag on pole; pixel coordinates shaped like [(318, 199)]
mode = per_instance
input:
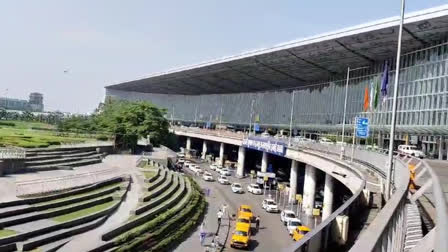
[(366, 99), (385, 81), (372, 95), (377, 92)]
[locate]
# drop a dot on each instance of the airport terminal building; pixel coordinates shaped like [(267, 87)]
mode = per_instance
[(303, 83)]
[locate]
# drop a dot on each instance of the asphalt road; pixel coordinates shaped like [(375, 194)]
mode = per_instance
[(272, 235)]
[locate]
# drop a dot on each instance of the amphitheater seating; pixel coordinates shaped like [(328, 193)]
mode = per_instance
[(51, 220), (60, 158)]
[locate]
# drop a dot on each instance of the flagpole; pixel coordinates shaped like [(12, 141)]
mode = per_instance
[(345, 110), (290, 120), (394, 106)]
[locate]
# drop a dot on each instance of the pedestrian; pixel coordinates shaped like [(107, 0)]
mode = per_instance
[(257, 223), (219, 217)]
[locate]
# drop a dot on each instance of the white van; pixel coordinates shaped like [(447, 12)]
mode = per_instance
[(411, 150)]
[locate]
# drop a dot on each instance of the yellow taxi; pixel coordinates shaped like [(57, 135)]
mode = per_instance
[(245, 211), (300, 232), (243, 221), (240, 237)]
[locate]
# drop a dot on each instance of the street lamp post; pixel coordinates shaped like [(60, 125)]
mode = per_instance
[(290, 120), (394, 106)]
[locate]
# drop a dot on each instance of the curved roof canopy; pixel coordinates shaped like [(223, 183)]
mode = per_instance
[(300, 62)]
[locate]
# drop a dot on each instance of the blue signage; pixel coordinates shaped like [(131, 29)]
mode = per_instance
[(208, 125), (265, 144), (362, 127), (256, 127)]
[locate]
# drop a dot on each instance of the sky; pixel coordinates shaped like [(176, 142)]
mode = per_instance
[(71, 50)]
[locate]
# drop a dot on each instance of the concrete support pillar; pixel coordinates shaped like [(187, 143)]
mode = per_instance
[(424, 147), (446, 148), (440, 147), (380, 140), (328, 197), (241, 157), (221, 154), (264, 162), (309, 189), (188, 146), (204, 149), (293, 181)]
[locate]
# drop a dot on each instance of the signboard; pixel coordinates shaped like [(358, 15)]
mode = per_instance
[(299, 198), (256, 127), (316, 211), (362, 127), (209, 125), (265, 144)]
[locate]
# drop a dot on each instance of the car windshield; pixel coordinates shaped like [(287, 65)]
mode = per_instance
[(243, 220), (241, 233), (295, 223), (412, 147), (236, 185), (290, 215), (271, 203), (247, 210), (303, 232), (256, 186)]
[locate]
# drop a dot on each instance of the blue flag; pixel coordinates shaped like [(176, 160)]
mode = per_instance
[(385, 81)]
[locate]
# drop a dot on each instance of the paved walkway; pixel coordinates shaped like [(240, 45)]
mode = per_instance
[(440, 167)]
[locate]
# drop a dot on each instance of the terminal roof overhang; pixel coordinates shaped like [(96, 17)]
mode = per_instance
[(299, 63)]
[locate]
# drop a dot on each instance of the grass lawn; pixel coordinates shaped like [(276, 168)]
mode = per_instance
[(23, 135), (81, 194), (7, 232), (84, 212)]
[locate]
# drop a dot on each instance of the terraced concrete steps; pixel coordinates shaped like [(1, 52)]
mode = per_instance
[(64, 165), (55, 156)]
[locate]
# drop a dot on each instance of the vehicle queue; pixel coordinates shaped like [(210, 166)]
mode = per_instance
[(245, 216)]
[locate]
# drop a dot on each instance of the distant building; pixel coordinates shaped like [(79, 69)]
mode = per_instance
[(34, 104)]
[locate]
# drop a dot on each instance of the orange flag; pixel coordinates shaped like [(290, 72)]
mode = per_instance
[(366, 99)]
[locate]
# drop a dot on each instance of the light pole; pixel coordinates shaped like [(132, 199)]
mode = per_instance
[(394, 106), (250, 117), (290, 120), (345, 106)]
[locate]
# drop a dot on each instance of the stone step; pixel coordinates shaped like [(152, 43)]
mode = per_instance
[(64, 165), (43, 157), (60, 160), (57, 151)]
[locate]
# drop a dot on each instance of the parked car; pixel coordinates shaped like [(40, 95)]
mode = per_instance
[(223, 180), (325, 140), (287, 215), (269, 205), (254, 188), (292, 224), (265, 134), (213, 167), (411, 150), (237, 188), (208, 177), (225, 172)]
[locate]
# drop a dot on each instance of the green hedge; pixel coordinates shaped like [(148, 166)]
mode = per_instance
[(157, 228), (9, 124)]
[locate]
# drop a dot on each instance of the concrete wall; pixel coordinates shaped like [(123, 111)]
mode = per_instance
[(10, 166)]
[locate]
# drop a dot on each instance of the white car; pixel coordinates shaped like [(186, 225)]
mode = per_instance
[(237, 188), (223, 180), (287, 215), (254, 188), (181, 160), (411, 150), (269, 205), (225, 172), (208, 177), (325, 140), (213, 167), (265, 134), (293, 224)]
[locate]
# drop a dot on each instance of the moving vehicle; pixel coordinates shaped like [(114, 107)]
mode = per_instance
[(246, 212), (225, 172), (237, 188), (411, 150), (269, 205), (254, 188), (243, 221), (292, 224), (223, 180), (287, 215), (325, 140), (300, 232), (240, 237), (213, 167), (208, 177)]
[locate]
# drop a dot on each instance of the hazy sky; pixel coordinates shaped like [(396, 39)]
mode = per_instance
[(106, 42)]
